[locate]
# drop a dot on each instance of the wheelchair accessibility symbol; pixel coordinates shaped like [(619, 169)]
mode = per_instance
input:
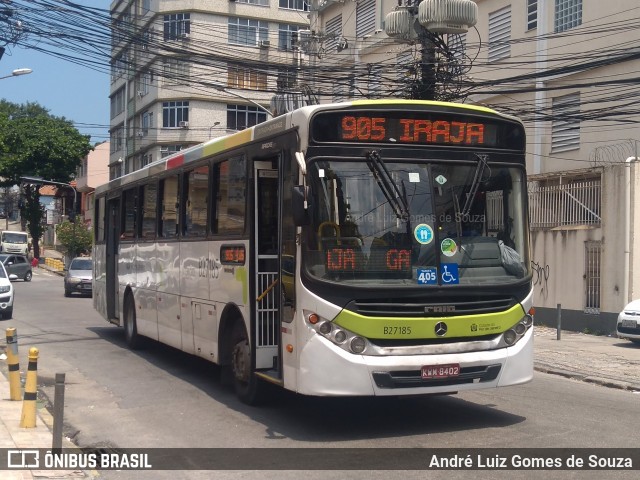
[(449, 273)]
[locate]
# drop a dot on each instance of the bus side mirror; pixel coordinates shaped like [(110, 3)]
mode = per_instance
[(300, 205)]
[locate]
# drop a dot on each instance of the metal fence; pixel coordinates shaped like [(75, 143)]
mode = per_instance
[(575, 203)]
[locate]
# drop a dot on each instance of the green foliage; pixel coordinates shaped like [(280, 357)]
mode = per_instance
[(75, 237), (36, 143)]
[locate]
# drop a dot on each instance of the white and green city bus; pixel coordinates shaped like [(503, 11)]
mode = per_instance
[(362, 248)]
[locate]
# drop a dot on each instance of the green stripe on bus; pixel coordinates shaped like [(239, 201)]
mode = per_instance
[(417, 328)]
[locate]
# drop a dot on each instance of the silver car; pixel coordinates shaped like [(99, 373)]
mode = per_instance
[(628, 325), (79, 276)]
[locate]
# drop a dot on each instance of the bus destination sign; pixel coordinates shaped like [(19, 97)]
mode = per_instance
[(415, 128)]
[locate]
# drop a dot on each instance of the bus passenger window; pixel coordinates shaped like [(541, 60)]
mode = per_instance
[(128, 227), (196, 189), (149, 203), (169, 219)]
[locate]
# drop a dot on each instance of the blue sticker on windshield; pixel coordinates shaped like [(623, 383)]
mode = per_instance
[(449, 273), (423, 233), (427, 276)]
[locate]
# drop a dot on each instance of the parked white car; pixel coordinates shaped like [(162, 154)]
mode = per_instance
[(628, 325), (6, 293)]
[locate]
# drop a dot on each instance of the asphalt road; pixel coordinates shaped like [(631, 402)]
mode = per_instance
[(159, 397)]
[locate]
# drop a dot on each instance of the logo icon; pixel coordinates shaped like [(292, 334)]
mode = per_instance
[(441, 329), (23, 459), (423, 233)]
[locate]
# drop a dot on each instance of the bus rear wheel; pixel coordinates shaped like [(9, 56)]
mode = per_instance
[(249, 388)]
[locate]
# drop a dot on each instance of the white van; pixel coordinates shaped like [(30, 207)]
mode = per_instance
[(14, 242)]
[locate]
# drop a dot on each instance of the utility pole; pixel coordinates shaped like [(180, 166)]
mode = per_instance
[(419, 20)]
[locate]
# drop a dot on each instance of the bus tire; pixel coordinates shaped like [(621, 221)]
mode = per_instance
[(249, 388), (134, 341)]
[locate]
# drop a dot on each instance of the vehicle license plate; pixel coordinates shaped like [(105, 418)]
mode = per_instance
[(629, 324), (441, 371), (86, 286)]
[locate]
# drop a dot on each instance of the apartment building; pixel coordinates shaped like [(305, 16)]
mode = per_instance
[(92, 172), (566, 67), (185, 71)]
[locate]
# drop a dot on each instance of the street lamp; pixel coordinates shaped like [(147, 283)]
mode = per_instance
[(42, 181), (17, 72), (220, 88)]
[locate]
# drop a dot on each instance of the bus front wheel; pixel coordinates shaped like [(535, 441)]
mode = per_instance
[(130, 328), (249, 388)]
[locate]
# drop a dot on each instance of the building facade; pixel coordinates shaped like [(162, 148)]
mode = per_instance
[(565, 67), (185, 71)]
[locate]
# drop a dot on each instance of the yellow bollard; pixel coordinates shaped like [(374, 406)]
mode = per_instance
[(13, 363), (28, 419)]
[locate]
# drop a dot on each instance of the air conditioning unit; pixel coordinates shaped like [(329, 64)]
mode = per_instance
[(141, 134), (183, 36), (140, 93), (264, 43), (183, 124)]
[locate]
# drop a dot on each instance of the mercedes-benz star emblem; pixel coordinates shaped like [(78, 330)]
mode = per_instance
[(441, 329)]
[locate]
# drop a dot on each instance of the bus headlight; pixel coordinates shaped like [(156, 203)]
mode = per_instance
[(517, 331), (337, 335), (510, 337), (340, 336), (358, 344)]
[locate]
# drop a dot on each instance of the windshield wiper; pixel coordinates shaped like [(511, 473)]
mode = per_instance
[(389, 188), (477, 179)]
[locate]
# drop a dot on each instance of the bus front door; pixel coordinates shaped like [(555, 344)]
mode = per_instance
[(267, 301), (111, 267)]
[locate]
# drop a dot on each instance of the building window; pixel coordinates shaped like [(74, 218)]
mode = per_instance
[(240, 117), (365, 17), (285, 36), (146, 122), (244, 31), (173, 113), (144, 83), (116, 140), (302, 5), (333, 29), (532, 14), (592, 263), (500, 34), (177, 26), (117, 103), (175, 71), (568, 14), (262, 3), (167, 150), (247, 79), (565, 126), (147, 158)]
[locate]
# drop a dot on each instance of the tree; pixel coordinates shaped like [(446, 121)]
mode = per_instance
[(75, 237), (35, 143)]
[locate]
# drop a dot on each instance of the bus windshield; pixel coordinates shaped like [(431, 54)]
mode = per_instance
[(388, 222)]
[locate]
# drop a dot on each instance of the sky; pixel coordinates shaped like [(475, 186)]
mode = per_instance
[(66, 89)]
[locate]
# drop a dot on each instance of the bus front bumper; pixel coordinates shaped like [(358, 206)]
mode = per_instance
[(327, 370)]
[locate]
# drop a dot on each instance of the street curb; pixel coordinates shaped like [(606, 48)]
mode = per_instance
[(604, 382)]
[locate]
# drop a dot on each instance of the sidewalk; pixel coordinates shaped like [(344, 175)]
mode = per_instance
[(606, 361), (603, 360)]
